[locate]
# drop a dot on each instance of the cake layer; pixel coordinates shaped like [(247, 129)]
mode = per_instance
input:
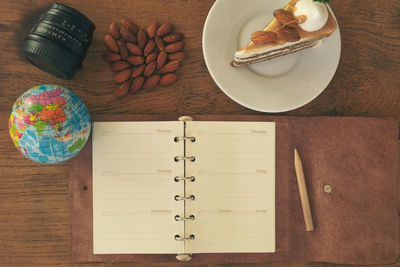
[(273, 53)]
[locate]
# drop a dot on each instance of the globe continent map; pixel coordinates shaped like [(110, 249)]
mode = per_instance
[(49, 124)]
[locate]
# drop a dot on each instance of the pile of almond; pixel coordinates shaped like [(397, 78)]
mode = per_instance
[(286, 32), (143, 58)]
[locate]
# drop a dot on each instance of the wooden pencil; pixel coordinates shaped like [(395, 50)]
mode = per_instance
[(305, 203)]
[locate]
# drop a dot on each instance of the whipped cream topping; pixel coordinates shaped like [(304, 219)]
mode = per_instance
[(316, 13)]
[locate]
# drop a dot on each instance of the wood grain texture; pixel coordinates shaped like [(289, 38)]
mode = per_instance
[(34, 198)]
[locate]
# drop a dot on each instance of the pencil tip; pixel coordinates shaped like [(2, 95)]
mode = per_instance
[(294, 146)]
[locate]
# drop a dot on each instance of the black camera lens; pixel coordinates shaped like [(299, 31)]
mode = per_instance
[(58, 43)]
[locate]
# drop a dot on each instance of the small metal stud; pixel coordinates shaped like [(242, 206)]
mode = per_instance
[(328, 188), (183, 257), (185, 118)]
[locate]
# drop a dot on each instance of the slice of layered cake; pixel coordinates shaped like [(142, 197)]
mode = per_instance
[(300, 24)]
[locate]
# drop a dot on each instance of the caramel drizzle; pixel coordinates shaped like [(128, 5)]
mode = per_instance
[(259, 33), (292, 3), (301, 19), (284, 25)]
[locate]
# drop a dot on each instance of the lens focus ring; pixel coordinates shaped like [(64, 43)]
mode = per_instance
[(67, 25), (60, 36), (58, 43)]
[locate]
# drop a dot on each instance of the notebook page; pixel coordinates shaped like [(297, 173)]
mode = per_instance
[(234, 190), (134, 188)]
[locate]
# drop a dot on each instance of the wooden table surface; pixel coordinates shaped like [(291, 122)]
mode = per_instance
[(34, 198)]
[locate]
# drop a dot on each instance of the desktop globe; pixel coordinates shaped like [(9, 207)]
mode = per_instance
[(49, 124)]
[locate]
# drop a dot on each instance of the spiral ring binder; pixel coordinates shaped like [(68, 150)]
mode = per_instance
[(181, 138), (183, 178), (178, 197), (179, 238), (179, 218), (179, 158)]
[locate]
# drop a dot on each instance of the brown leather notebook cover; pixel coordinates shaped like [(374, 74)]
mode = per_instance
[(356, 223)]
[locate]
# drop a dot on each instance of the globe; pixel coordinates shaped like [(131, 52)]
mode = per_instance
[(49, 124)]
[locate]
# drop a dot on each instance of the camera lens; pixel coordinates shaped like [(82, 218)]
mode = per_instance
[(58, 43)]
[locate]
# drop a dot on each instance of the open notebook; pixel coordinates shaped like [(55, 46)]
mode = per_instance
[(183, 187)]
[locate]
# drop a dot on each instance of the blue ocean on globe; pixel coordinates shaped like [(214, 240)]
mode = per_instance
[(49, 124)]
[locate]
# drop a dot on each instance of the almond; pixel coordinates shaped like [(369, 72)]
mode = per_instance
[(127, 35), (149, 48), (159, 42), (164, 29), (151, 82), (168, 79), (114, 30), (134, 49), (152, 29), (127, 23), (162, 59), (123, 89), (142, 38), (179, 56), (152, 57), (288, 34), (119, 65), (138, 71), (137, 84), (122, 76), (264, 38), (170, 67), (174, 47), (256, 34), (123, 51), (146, 58), (135, 60), (285, 17), (111, 43), (172, 38), (111, 57), (150, 69)]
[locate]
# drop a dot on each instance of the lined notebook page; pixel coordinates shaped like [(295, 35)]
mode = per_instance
[(234, 190), (134, 188)]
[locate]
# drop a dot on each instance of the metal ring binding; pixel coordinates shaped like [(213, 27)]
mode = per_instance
[(179, 218), (179, 158), (178, 197), (179, 238), (182, 178), (184, 256), (180, 138)]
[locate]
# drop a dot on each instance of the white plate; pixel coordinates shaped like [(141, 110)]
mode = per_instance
[(277, 85)]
